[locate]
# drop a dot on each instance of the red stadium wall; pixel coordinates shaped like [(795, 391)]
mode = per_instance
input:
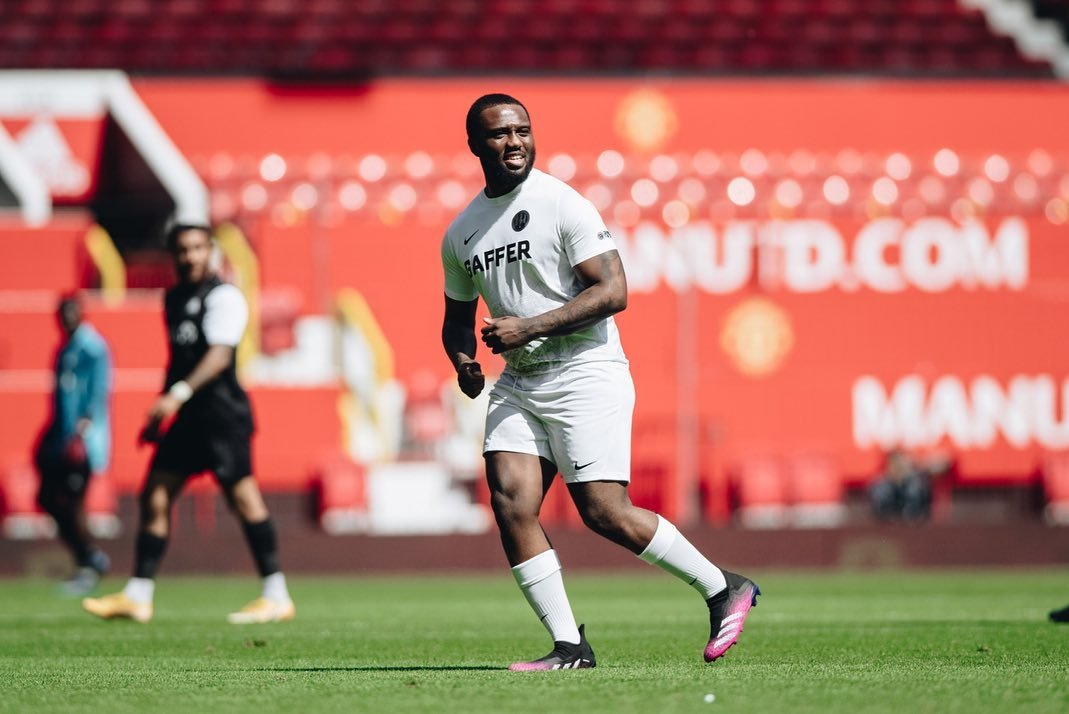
[(752, 329), (49, 258), (400, 116)]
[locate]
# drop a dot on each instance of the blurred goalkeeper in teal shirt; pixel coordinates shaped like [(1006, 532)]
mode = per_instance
[(76, 442)]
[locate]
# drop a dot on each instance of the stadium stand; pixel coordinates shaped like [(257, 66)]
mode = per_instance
[(330, 38), (672, 188)]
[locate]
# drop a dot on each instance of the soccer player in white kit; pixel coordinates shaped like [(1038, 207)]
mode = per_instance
[(542, 259)]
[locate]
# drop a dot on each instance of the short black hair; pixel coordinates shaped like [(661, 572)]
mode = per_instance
[(178, 229), (471, 123), (68, 300)]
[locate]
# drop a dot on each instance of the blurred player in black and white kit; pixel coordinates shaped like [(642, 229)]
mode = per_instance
[(211, 430), (541, 258)]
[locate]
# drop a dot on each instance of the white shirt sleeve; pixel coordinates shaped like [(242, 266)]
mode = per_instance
[(582, 228), (225, 316), (458, 283)]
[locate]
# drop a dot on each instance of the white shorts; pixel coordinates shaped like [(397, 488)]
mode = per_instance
[(578, 417)]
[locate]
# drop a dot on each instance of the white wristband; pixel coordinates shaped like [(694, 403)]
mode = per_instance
[(180, 391)]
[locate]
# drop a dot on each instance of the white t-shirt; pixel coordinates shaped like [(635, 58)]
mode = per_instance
[(225, 315), (518, 251)]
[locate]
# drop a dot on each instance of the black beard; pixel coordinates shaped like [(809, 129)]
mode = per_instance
[(185, 274), (498, 175)]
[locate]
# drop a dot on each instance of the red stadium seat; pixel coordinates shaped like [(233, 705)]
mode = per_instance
[(761, 492), (341, 495), (817, 491), (22, 519), (1055, 475), (426, 420), (424, 36)]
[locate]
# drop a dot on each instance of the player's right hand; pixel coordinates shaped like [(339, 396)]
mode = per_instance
[(150, 432), (470, 378)]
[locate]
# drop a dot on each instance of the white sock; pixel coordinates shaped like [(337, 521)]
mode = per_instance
[(670, 551), (140, 590), (540, 580), (275, 588)]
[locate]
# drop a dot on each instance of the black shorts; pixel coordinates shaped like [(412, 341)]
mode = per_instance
[(187, 449), (61, 476)]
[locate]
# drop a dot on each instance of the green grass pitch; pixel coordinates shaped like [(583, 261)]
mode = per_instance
[(842, 642)]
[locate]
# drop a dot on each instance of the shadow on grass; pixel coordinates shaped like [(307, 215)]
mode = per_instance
[(387, 668)]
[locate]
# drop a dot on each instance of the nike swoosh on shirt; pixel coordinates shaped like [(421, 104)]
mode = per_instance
[(470, 237), (577, 467)]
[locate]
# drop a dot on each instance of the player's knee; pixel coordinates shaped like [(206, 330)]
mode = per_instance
[(155, 521), (247, 503), (155, 503), (251, 510)]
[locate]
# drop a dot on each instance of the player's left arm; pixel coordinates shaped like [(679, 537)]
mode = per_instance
[(604, 294)]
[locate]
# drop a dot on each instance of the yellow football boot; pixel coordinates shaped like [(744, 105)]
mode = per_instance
[(118, 606), (262, 610)]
